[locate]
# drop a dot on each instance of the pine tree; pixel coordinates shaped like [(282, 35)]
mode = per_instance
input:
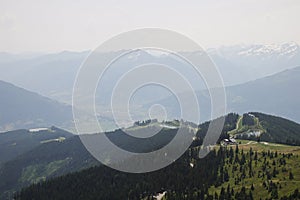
[(274, 193), (222, 193), (216, 195), (255, 155), (252, 187), (291, 176), (236, 149), (250, 195)]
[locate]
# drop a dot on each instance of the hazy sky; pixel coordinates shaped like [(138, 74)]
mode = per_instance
[(56, 25)]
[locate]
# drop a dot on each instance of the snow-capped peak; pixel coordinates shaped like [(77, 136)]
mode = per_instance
[(287, 49)]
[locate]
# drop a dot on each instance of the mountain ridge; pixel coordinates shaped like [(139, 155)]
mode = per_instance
[(20, 108), (34, 74), (216, 173), (70, 155)]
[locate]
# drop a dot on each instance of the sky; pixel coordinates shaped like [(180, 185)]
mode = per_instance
[(77, 25)]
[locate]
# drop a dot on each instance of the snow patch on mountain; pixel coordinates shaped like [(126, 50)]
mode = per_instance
[(286, 49)]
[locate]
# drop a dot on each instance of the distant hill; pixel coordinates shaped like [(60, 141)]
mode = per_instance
[(15, 143), (50, 75), (20, 108), (267, 128), (276, 94), (50, 159), (38, 156)]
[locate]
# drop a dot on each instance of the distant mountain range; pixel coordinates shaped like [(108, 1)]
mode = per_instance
[(53, 76), (237, 64), (276, 94), (242, 63)]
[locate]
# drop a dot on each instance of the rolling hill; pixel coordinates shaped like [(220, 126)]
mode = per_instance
[(245, 170), (45, 157), (50, 159), (267, 128), (53, 158), (15, 143), (232, 173)]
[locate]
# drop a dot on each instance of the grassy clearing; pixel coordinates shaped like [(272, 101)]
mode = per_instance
[(240, 128), (39, 172), (262, 167), (265, 146)]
